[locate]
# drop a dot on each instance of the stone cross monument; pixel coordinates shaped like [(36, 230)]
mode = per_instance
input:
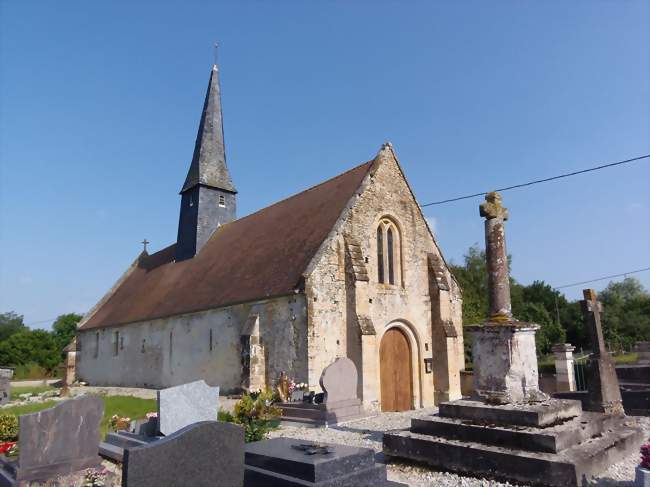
[(503, 350), (604, 391)]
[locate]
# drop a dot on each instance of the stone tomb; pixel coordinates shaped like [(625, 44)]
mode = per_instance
[(208, 453), (287, 462), (55, 442), (339, 382), (178, 407), (5, 390)]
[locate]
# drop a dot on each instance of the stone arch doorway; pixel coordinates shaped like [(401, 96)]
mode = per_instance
[(395, 371)]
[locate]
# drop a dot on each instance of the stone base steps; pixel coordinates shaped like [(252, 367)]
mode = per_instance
[(565, 468), (551, 439)]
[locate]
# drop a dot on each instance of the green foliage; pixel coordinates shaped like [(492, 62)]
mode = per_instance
[(225, 416), (64, 328), (10, 324), (626, 317), (37, 346), (258, 416), (30, 371), (8, 427), (472, 278), (550, 332)]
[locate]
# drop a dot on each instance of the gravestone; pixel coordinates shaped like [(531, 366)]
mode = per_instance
[(208, 453), (288, 462), (339, 382), (56, 441), (180, 406), (5, 390), (604, 392)]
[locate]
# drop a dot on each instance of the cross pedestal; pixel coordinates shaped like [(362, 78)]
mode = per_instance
[(505, 362)]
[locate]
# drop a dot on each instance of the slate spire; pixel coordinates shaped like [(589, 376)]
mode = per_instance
[(208, 166), (208, 197)]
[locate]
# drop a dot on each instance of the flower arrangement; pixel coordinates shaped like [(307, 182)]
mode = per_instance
[(645, 456), (117, 423), (6, 447), (95, 477), (296, 386)]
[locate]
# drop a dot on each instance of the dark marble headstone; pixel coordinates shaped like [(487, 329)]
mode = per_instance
[(287, 462), (5, 390), (207, 453), (58, 441)]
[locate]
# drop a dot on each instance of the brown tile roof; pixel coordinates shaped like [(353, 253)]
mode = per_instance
[(259, 256)]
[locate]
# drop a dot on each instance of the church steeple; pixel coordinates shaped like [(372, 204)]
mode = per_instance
[(208, 197)]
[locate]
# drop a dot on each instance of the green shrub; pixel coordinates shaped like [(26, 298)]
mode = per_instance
[(258, 416), (8, 427), (225, 416), (30, 371)]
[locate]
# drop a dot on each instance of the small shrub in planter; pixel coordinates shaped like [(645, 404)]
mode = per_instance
[(8, 427), (258, 416)]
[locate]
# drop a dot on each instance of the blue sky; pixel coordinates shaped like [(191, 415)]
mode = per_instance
[(100, 101)]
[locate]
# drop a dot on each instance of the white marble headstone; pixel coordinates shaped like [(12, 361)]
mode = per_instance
[(180, 406)]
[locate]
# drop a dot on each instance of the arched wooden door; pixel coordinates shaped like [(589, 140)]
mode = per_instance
[(395, 372)]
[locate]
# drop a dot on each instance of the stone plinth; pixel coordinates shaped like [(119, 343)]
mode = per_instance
[(505, 362), (550, 443), (564, 373)]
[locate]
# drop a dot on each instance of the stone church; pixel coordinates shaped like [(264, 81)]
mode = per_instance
[(347, 268)]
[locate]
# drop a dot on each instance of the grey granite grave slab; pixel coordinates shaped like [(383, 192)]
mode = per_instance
[(208, 453), (57, 441), (180, 406), (288, 462), (5, 390)]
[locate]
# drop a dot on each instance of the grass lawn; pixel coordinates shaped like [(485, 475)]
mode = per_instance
[(123, 406), (15, 391)]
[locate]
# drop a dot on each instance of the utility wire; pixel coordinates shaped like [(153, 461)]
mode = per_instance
[(602, 278), (545, 180)]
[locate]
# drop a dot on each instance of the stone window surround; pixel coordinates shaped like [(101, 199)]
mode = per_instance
[(384, 223)]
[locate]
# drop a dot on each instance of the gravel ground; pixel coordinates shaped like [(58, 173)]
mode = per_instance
[(368, 433)]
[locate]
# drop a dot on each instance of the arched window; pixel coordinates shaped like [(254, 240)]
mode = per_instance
[(380, 253), (389, 269)]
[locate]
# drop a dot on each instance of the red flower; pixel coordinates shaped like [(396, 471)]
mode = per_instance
[(6, 446)]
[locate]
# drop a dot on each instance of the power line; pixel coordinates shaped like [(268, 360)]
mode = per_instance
[(602, 278), (545, 180)]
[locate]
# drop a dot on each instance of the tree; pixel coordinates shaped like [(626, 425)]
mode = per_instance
[(626, 316), (64, 328), (10, 324), (472, 278), (31, 346)]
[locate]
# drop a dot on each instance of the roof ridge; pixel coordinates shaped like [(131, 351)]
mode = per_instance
[(296, 194)]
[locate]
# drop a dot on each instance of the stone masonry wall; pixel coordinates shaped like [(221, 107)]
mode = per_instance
[(204, 345), (334, 303)]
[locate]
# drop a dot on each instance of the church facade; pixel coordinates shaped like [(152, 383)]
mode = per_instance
[(346, 268)]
